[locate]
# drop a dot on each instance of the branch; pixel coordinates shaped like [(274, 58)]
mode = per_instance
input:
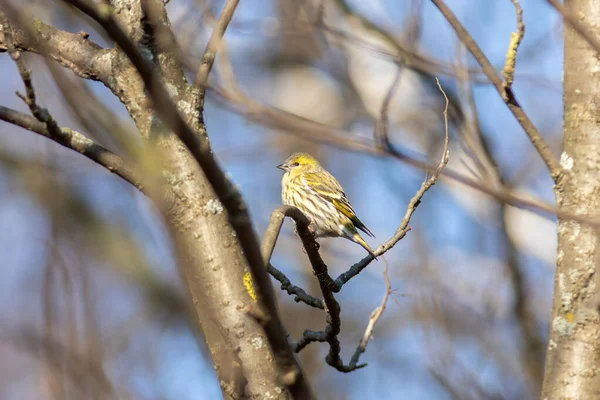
[(77, 142), (403, 228), (327, 285), (226, 193), (71, 50), (320, 133), (375, 316), (382, 125), (214, 43), (46, 125), (300, 294), (505, 92), (579, 27), (511, 54), (268, 245), (308, 241)]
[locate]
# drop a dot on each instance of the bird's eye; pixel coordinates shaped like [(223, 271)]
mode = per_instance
[(296, 164)]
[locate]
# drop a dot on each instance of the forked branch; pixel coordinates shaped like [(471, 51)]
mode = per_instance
[(329, 286)]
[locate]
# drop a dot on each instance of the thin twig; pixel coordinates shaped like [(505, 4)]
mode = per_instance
[(300, 294), (474, 143), (313, 131), (511, 54), (403, 228), (375, 316), (41, 114), (332, 307), (381, 126), (214, 43), (506, 93)]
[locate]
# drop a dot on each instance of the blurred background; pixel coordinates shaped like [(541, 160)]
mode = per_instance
[(90, 292)]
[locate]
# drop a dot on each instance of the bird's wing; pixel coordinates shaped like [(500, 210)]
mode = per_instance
[(326, 186)]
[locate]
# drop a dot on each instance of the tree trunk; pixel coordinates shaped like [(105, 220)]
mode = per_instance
[(573, 358), (216, 269)]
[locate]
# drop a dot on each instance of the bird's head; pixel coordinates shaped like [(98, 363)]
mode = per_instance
[(299, 162)]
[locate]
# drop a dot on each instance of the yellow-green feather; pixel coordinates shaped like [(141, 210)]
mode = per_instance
[(331, 190)]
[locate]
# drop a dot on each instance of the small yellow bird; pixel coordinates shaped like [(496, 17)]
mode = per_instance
[(307, 186)]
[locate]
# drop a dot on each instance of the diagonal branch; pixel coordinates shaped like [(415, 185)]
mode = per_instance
[(71, 50), (77, 142), (327, 285), (577, 24), (226, 193), (214, 43), (373, 319), (268, 245), (300, 294), (403, 228), (504, 91), (46, 125), (320, 133)]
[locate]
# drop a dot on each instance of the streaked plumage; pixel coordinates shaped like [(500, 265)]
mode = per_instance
[(309, 187)]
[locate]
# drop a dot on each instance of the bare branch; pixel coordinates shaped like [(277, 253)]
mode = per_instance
[(227, 194), (77, 142), (308, 241), (299, 293), (505, 92), (381, 126), (71, 50), (214, 43), (403, 228), (45, 125), (320, 133), (268, 245), (327, 285), (511, 54), (375, 316), (577, 24)]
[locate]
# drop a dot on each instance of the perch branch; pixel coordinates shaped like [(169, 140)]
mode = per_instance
[(268, 245), (328, 287)]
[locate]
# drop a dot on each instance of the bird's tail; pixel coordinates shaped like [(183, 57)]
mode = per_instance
[(358, 239)]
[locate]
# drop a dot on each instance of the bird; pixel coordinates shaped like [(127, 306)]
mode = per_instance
[(307, 186)]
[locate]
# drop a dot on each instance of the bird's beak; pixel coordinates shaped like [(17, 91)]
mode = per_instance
[(281, 166)]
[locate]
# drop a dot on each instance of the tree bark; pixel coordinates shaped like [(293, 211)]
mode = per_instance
[(572, 368), (216, 267), (214, 264)]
